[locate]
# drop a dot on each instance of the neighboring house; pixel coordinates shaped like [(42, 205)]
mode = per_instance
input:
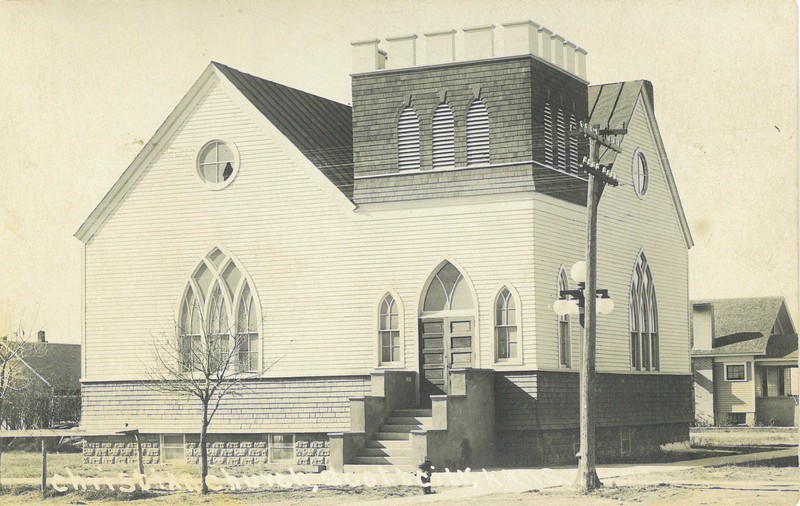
[(744, 358), (398, 261), (45, 390)]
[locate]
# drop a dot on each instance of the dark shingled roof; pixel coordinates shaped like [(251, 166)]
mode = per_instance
[(59, 364), (320, 128), (611, 106), (744, 326)]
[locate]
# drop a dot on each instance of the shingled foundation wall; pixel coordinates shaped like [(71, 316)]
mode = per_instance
[(538, 415)]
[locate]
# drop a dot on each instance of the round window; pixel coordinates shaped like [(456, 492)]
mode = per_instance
[(640, 173), (217, 163)]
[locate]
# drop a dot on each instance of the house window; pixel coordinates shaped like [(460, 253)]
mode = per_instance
[(735, 372), (443, 132), (216, 163), (281, 448), (640, 173), (219, 324), (506, 326), (477, 133), (172, 447), (564, 339), (561, 140), (408, 140), (389, 330), (548, 134), (643, 318)]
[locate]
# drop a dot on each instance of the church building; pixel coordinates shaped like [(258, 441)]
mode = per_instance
[(387, 270)]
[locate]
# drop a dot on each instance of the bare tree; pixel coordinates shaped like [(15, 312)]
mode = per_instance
[(205, 358), (16, 377)]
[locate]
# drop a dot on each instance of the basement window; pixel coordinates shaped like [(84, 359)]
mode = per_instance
[(281, 448), (172, 447)]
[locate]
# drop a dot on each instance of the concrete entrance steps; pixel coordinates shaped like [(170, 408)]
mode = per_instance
[(390, 447)]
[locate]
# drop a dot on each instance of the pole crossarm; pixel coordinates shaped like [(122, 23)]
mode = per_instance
[(601, 172)]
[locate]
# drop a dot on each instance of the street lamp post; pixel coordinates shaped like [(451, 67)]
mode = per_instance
[(580, 302)]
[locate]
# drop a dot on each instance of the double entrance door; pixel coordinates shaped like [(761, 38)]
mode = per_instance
[(444, 344)]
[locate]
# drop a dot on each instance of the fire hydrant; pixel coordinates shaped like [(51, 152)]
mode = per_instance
[(426, 469)]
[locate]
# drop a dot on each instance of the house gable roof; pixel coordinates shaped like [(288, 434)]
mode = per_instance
[(744, 327), (57, 364), (611, 106), (320, 130)]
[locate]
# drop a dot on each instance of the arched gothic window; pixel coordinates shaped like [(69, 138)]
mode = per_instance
[(448, 291), (389, 330), (505, 325), (443, 132), (477, 133), (564, 338), (219, 318), (643, 309), (408, 139)]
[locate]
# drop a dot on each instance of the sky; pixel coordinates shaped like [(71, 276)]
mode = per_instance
[(85, 84)]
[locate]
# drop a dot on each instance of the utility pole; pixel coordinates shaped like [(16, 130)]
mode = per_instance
[(598, 177)]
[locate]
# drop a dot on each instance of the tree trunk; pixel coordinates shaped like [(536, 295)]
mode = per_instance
[(204, 451)]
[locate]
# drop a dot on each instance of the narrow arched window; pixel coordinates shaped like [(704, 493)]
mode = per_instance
[(478, 145), (443, 133), (564, 338), (505, 324), (643, 314), (573, 145), (219, 323), (408, 140), (389, 330), (548, 134), (561, 140)]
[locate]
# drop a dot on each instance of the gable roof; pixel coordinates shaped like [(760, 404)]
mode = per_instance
[(57, 364), (611, 106), (744, 327), (320, 128)]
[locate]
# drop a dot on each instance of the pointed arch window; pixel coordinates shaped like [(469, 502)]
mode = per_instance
[(219, 324), (448, 291), (548, 134), (564, 338), (505, 325), (643, 315), (389, 330), (478, 146), (408, 139), (443, 133)]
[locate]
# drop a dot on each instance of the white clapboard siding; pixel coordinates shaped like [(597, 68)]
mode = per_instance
[(408, 140), (318, 271), (443, 137), (734, 396), (626, 225)]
